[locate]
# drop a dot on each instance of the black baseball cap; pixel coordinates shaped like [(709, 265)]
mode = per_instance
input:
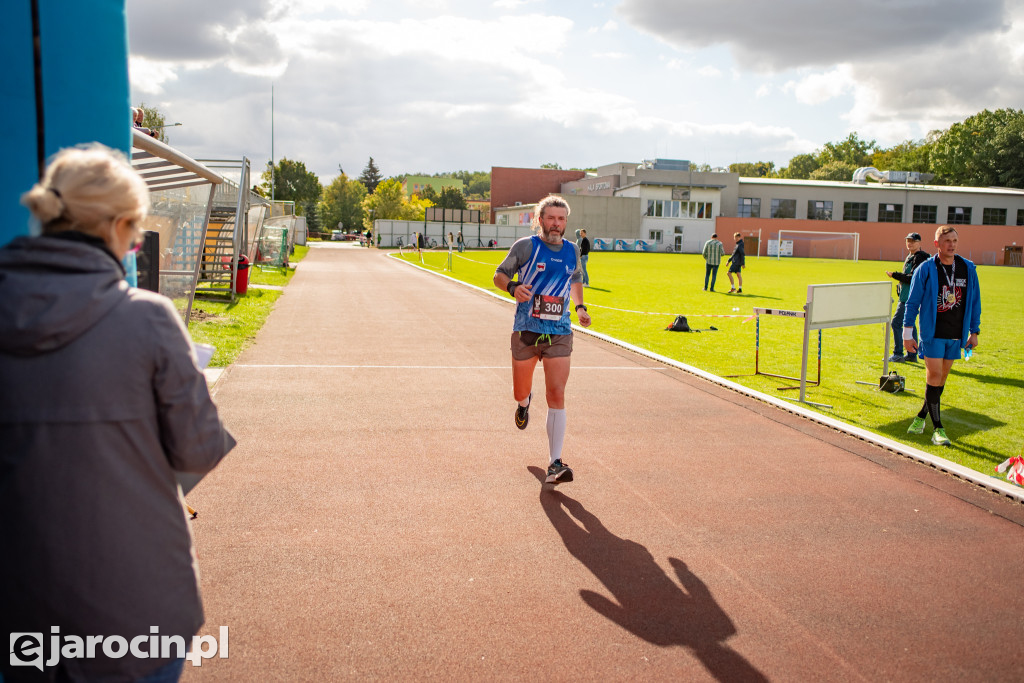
[(915, 236)]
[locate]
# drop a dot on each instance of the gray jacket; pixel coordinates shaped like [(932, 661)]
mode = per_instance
[(101, 402)]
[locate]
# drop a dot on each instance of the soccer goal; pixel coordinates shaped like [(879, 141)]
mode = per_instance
[(815, 244)]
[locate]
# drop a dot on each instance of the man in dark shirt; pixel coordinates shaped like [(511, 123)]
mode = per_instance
[(737, 262), (945, 290), (915, 257), (584, 245)]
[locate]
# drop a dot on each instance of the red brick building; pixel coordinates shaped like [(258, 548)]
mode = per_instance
[(526, 185)]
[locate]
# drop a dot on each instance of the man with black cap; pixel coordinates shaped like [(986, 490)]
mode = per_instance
[(915, 257)]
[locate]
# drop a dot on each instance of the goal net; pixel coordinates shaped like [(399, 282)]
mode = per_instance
[(815, 244)]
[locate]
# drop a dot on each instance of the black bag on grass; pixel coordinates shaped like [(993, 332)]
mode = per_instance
[(679, 325)]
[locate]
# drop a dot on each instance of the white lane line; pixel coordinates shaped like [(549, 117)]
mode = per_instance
[(430, 367)]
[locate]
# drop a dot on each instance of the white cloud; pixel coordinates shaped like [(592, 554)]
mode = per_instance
[(148, 76), (709, 71), (763, 90), (512, 4), (817, 88)]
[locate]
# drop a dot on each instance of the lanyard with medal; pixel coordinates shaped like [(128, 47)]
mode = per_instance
[(951, 280)]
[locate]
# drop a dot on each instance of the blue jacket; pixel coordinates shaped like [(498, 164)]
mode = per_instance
[(924, 287)]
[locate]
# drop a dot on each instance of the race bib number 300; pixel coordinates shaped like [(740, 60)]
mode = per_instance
[(548, 307)]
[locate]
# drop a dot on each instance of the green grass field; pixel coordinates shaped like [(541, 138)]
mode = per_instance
[(982, 405), (231, 326)]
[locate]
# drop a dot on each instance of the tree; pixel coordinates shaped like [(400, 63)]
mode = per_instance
[(834, 170), (154, 120), (387, 201), (429, 194), (292, 182), (341, 205), (852, 150), (800, 167), (909, 155), (309, 209), (551, 165), (760, 169), (980, 151), (451, 198), (371, 176)]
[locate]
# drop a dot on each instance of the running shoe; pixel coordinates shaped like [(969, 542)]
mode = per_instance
[(523, 414), (939, 438), (917, 426), (911, 357), (897, 358), (739, 291), (558, 473)]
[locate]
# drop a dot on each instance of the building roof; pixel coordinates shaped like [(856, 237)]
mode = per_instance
[(879, 186)]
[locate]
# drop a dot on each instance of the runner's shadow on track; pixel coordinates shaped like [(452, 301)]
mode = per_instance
[(647, 602)]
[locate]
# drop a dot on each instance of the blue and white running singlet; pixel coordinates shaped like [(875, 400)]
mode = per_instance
[(549, 274)]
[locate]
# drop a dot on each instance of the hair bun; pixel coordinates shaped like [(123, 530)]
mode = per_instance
[(45, 203)]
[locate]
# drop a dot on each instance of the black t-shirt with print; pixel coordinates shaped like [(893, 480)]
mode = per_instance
[(949, 320)]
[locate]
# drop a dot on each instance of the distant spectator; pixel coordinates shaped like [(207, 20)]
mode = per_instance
[(915, 257), (461, 242), (737, 262), (101, 402), (584, 244), (137, 117), (713, 252)]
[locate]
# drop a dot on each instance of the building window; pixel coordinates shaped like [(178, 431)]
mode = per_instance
[(655, 235), (748, 207), (925, 214), (671, 208), (890, 213), (1020, 216), (783, 208), (502, 219), (959, 215), (819, 211), (993, 216), (855, 211)]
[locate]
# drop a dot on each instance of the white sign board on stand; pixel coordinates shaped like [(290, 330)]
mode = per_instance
[(845, 305)]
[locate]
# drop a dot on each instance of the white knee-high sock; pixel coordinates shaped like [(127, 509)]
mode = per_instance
[(556, 432)]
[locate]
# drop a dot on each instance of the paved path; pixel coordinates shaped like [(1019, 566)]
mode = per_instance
[(382, 517)]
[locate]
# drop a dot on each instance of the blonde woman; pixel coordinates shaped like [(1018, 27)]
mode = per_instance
[(101, 402)]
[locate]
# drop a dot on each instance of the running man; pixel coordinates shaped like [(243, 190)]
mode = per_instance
[(549, 272), (945, 289)]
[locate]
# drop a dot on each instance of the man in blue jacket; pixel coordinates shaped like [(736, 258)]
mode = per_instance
[(945, 290)]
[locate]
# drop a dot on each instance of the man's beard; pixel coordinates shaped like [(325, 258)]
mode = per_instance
[(547, 235)]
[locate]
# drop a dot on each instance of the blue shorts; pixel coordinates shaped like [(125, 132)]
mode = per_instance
[(940, 348)]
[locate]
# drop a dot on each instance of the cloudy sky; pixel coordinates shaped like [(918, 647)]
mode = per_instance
[(444, 85)]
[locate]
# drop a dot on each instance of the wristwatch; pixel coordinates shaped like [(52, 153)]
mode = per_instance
[(579, 306), (511, 287)]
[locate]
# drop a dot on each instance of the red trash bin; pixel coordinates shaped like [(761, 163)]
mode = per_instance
[(242, 281)]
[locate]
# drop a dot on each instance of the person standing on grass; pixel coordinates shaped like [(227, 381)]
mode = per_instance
[(549, 272), (584, 245), (712, 253), (915, 258), (461, 242), (737, 262), (945, 289)]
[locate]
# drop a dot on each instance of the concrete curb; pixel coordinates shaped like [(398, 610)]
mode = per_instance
[(988, 482)]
